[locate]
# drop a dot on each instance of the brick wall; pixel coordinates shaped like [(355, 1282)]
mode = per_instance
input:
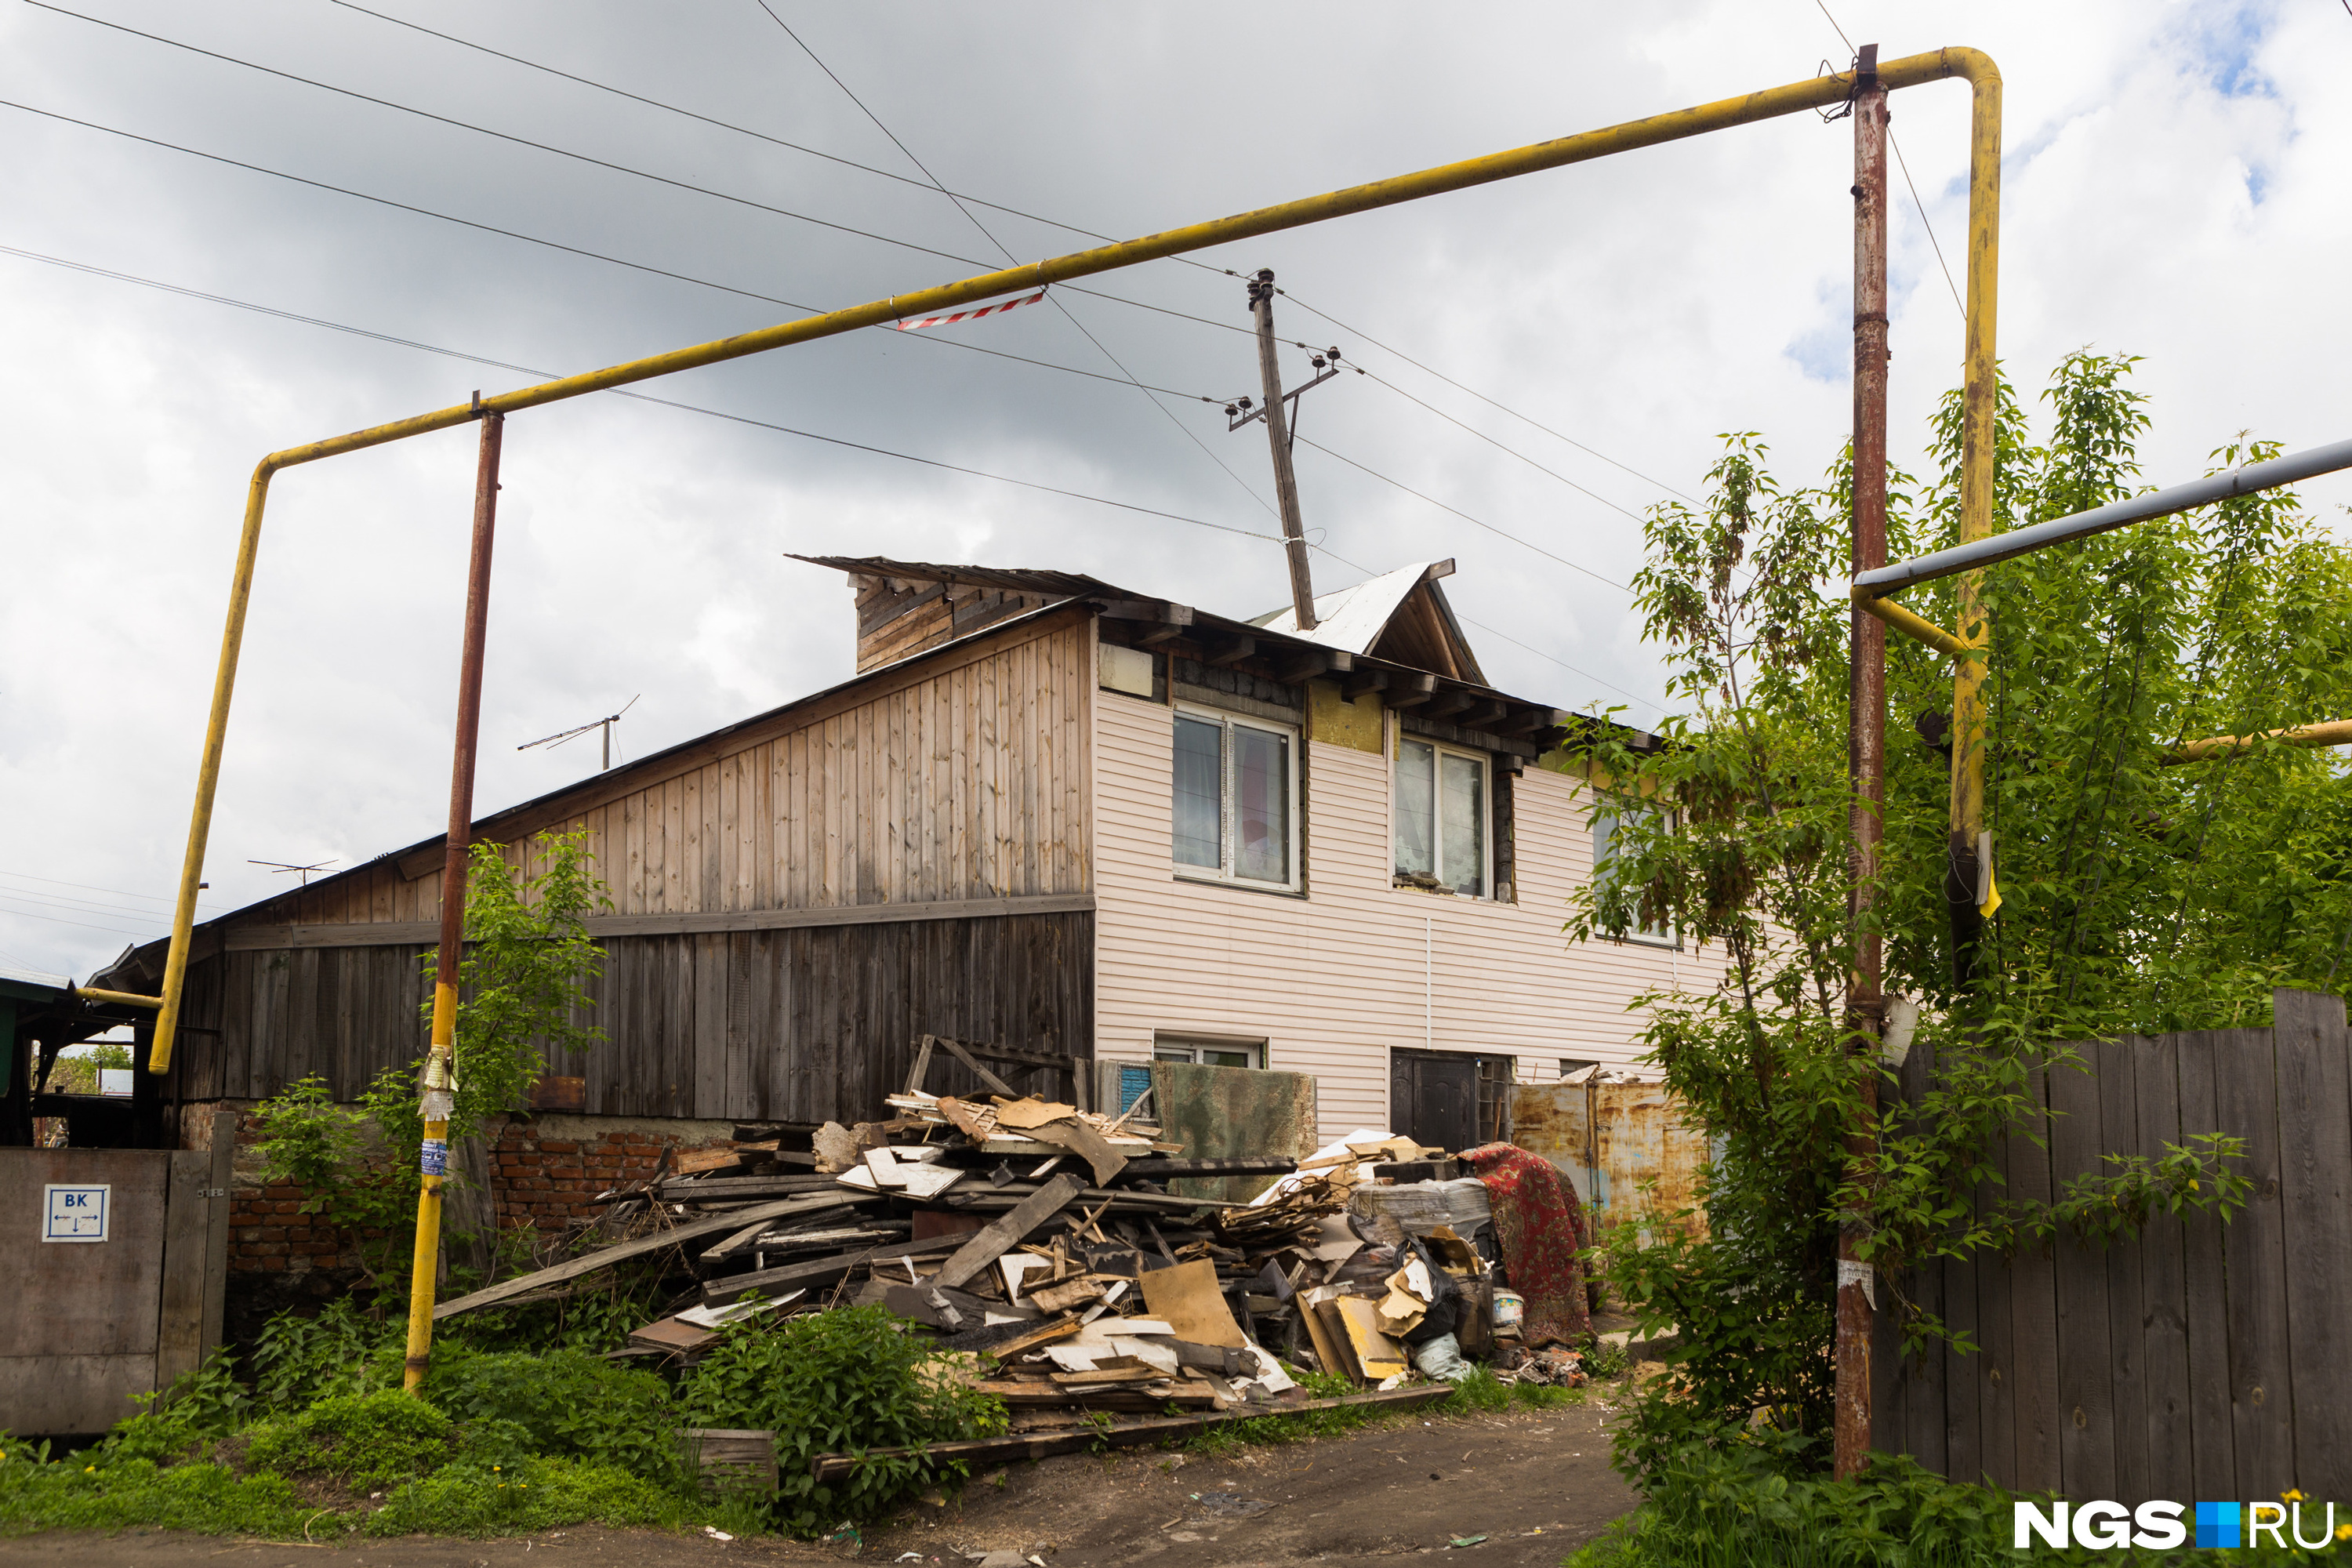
[(544, 1170)]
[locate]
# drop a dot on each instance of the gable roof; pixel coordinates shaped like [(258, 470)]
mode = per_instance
[(1401, 616)]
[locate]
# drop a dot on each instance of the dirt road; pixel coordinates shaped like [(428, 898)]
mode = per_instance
[(1534, 1485)]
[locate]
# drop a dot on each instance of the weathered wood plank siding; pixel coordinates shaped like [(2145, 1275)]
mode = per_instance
[(960, 778)]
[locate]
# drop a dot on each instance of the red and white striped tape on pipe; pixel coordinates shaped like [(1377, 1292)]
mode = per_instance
[(971, 315)]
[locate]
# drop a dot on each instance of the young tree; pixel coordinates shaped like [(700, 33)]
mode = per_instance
[(524, 995), (2137, 896)]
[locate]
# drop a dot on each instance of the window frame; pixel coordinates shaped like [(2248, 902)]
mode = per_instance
[(1670, 940), (1223, 873), (1165, 1047), (1487, 772)]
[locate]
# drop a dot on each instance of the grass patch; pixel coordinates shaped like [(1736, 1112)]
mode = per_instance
[(366, 1441), (475, 1498), (141, 1494)]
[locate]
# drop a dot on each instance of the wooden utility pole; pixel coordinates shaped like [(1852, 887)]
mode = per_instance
[(438, 1088), (1277, 433), (1866, 740)]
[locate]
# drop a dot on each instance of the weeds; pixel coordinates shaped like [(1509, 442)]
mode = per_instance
[(364, 1440)]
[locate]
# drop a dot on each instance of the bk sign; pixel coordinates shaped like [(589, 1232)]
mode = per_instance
[(74, 1213)]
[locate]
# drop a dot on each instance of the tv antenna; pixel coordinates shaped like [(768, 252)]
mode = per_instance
[(279, 868), (605, 723)]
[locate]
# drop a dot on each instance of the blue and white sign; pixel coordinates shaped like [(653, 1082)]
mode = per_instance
[(74, 1213)]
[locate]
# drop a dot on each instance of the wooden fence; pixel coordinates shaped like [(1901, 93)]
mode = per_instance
[(2199, 1359)]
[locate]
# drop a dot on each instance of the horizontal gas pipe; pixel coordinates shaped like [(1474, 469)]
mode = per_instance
[(2297, 466), (1913, 70), (2335, 732)]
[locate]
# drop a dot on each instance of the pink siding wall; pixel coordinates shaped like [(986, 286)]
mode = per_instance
[(1333, 981)]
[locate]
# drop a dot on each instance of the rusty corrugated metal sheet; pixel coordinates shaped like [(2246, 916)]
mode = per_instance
[(1610, 1138)]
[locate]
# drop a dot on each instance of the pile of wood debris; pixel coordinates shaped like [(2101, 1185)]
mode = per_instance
[(1044, 1239)]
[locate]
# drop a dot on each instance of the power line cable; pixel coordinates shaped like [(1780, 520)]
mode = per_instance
[(1498, 446), (1915, 202), (1465, 516), (85, 925), (1482, 397), (535, 239), (88, 887), (643, 398), (78, 905), (730, 125), (619, 168), (737, 418), (1189, 434)]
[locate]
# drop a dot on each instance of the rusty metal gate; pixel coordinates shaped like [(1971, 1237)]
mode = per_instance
[(1612, 1139), (123, 1256)]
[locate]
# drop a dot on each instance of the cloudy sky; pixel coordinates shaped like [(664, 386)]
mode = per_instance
[(2174, 188)]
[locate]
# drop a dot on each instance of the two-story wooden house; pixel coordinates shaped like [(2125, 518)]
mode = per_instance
[(1049, 812)]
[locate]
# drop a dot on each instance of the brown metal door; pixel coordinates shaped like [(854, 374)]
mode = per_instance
[(1434, 1099)]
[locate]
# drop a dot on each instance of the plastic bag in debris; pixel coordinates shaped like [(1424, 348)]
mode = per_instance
[(1440, 1358)]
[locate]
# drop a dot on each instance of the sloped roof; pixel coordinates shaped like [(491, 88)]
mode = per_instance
[(1357, 618)]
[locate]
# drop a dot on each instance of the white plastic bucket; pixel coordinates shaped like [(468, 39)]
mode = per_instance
[(1510, 1308)]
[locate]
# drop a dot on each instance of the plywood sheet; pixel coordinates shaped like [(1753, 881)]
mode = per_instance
[(1186, 1298)]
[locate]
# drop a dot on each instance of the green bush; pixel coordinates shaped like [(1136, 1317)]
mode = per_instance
[(473, 1499), (564, 1405), (299, 1361), (839, 1381), (1739, 1497), (137, 1493), (200, 1408), (364, 1440)]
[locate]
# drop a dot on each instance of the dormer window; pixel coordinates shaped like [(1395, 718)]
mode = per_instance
[(1442, 808)]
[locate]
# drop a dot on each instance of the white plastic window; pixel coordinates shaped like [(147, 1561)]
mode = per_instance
[(1233, 811), (1442, 813)]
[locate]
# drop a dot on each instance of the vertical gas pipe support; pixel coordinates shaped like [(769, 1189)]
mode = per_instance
[(1277, 431), (1979, 454), (438, 1090), (1865, 741)]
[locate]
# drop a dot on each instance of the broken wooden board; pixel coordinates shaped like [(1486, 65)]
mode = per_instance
[(1084, 1143), (993, 1240), (604, 1257), (1186, 1297), (1004, 1341), (953, 1312), (1378, 1356), (819, 1271), (1021, 1115), (965, 1057)]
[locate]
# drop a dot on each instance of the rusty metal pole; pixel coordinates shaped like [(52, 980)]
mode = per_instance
[(440, 1083), (1867, 736), (1277, 431)]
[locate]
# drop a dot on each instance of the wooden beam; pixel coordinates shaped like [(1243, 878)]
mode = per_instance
[(986, 1076), (604, 1257), (1528, 721), (1062, 1060), (1447, 702), (1363, 680), (1486, 712), (1409, 688), (990, 1243), (1317, 661), (1166, 631), (1233, 650), (405, 933), (819, 1271), (1158, 610)]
